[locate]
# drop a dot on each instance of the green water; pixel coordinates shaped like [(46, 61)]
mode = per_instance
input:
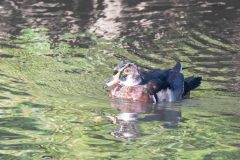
[(52, 105)]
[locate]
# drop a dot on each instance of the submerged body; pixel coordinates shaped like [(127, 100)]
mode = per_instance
[(134, 93), (141, 93)]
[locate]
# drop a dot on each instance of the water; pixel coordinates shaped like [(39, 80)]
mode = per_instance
[(56, 55)]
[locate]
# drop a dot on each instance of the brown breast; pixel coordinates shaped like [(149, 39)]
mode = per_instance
[(135, 93)]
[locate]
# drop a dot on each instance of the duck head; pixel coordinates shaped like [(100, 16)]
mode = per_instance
[(126, 74)]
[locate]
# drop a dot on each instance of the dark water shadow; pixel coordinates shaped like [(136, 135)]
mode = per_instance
[(7, 76), (4, 98), (6, 135), (8, 157), (20, 123), (19, 93), (18, 81), (6, 56), (34, 105), (20, 146), (9, 45)]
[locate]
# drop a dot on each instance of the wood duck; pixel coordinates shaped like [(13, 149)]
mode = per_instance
[(130, 82)]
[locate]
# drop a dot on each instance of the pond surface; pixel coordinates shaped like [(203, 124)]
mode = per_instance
[(55, 55)]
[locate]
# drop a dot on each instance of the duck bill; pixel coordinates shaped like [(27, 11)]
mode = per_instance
[(113, 81)]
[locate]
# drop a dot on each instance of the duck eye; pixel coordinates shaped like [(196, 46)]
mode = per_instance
[(127, 70)]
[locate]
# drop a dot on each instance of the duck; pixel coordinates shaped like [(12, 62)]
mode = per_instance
[(130, 82)]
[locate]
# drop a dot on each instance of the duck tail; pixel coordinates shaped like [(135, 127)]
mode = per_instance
[(191, 83)]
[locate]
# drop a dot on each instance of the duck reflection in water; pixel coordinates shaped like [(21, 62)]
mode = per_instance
[(130, 113)]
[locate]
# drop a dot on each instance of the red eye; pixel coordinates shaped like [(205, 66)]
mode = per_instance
[(127, 70)]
